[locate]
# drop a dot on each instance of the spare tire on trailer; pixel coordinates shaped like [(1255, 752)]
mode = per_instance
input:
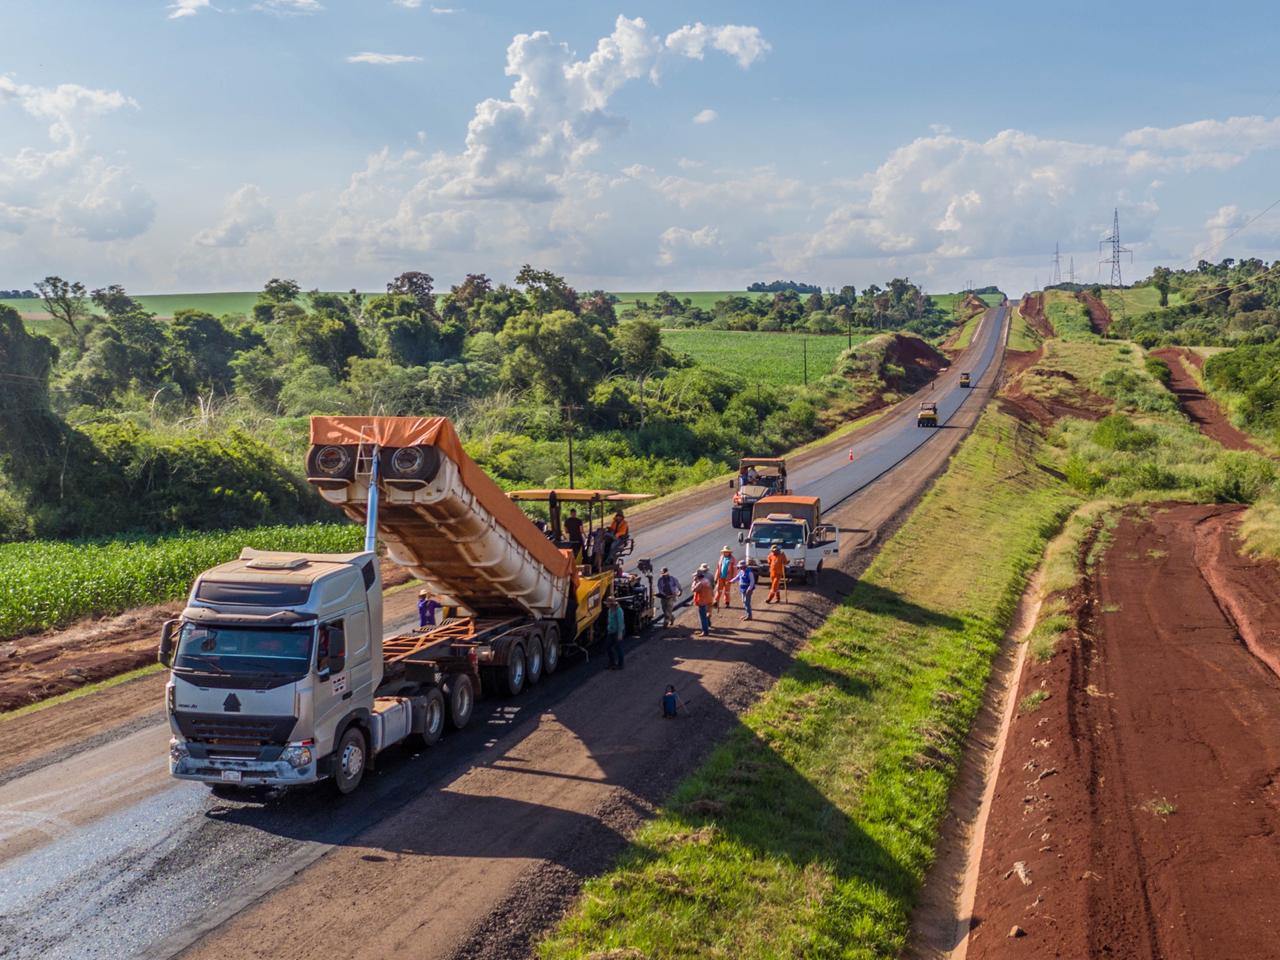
[(410, 463)]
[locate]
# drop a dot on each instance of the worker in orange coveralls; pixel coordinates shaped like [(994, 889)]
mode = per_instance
[(726, 574), (777, 573)]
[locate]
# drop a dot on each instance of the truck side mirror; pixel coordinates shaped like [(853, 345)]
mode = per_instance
[(730, 484), (165, 655), (742, 538)]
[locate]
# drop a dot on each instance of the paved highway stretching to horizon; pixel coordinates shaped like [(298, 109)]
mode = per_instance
[(103, 855)]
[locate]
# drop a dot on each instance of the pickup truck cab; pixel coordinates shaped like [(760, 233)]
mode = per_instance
[(795, 525)]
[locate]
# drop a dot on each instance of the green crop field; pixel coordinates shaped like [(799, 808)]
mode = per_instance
[(773, 358), (49, 583), (1137, 299)]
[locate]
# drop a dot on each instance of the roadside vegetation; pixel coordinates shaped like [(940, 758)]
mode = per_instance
[(808, 832), (48, 584), (124, 421)]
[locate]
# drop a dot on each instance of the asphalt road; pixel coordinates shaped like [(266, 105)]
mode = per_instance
[(102, 855)]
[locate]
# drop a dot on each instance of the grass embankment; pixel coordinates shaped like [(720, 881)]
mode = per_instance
[(1021, 336), (771, 359), (808, 832), (1133, 300), (50, 583)]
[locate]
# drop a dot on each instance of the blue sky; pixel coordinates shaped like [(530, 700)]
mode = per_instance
[(202, 145)]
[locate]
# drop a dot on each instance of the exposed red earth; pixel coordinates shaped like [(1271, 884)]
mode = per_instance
[(1200, 408), (1032, 310), (1136, 812), (1099, 312)]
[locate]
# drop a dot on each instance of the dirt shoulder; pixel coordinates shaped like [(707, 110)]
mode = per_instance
[(1137, 802), (1199, 407)]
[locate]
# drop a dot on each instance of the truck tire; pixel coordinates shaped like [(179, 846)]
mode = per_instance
[(535, 660), (350, 760), (735, 518), (462, 700), (514, 675), (433, 719), (550, 650)]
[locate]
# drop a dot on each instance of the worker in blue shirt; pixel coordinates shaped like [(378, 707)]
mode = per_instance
[(671, 703), (615, 630), (427, 607)]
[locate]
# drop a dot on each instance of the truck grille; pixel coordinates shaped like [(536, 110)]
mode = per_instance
[(239, 730)]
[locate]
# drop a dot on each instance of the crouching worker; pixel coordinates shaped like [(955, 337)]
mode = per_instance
[(672, 704)]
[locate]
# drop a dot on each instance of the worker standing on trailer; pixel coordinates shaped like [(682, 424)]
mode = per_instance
[(615, 628), (746, 585), (427, 608), (619, 533), (777, 573), (702, 597), (726, 573), (669, 591)]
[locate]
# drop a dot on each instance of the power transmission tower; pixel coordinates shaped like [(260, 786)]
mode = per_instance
[(1116, 251), (1057, 266), (1071, 270)]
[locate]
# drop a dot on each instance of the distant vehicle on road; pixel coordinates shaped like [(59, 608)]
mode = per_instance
[(927, 415), (964, 379)]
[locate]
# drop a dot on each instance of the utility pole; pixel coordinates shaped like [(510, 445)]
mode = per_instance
[(1057, 266), (569, 409), (804, 345)]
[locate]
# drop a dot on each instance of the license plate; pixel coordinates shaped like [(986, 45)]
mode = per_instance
[(231, 776)]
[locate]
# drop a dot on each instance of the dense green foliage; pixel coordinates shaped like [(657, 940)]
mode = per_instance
[(133, 422), (1216, 304), (1247, 380), (52, 583)]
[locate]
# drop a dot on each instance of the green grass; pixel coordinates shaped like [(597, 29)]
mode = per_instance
[(1032, 701), (706, 299), (79, 692), (1068, 316), (1021, 336), (767, 358), (970, 328), (48, 583), (1137, 300), (808, 832)]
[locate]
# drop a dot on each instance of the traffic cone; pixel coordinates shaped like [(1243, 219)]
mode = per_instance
[(851, 454)]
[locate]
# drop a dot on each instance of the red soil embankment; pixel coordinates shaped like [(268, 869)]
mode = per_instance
[(1099, 313), (1032, 310), (1022, 397), (920, 361), (1137, 808), (1199, 408)]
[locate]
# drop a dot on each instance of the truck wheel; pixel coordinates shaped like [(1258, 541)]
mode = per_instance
[(513, 679), (349, 764), (535, 663), (551, 650), (735, 518), (462, 700), (433, 714)]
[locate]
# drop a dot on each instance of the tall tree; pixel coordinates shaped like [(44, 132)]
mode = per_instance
[(1160, 278), (547, 291), (418, 285), (66, 301)]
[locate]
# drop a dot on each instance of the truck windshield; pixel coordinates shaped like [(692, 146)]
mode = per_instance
[(786, 535), (243, 650)]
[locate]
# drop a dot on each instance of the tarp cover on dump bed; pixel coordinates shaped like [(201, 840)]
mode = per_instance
[(802, 508), (393, 432)]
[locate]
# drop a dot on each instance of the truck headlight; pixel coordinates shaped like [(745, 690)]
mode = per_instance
[(178, 750), (296, 757)]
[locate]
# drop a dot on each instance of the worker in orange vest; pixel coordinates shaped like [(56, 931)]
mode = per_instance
[(702, 596), (777, 573), (618, 533), (726, 573)]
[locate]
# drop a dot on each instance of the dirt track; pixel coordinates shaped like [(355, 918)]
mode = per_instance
[(1202, 411), (1137, 809)]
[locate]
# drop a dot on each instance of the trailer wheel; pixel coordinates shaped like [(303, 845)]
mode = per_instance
[(535, 661), (551, 650), (433, 715), (735, 518), (513, 679), (462, 700), (349, 764)]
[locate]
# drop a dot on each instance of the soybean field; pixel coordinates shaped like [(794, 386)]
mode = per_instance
[(777, 359)]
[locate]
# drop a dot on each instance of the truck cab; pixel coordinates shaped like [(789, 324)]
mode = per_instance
[(757, 477), (927, 415), (274, 659), (964, 380), (794, 525)]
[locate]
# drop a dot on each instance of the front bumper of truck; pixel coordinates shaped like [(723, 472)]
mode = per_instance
[(291, 766)]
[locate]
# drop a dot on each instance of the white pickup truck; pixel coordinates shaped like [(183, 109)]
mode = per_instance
[(795, 525)]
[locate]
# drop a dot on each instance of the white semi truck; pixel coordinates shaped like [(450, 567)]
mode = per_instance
[(280, 674)]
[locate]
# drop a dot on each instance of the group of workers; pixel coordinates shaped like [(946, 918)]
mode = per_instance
[(596, 548), (712, 587)]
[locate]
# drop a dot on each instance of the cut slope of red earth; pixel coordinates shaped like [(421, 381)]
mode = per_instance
[(1099, 312), (1199, 408), (1032, 310), (1137, 808), (1024, 399)]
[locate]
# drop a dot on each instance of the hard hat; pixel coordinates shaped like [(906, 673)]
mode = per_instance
[(703, 568)]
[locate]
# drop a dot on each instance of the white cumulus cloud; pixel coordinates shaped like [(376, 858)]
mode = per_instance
[(705, 116), (187, 8), (245, 214), (744, 44), (288, 8), (382, 58), (65, 187)]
